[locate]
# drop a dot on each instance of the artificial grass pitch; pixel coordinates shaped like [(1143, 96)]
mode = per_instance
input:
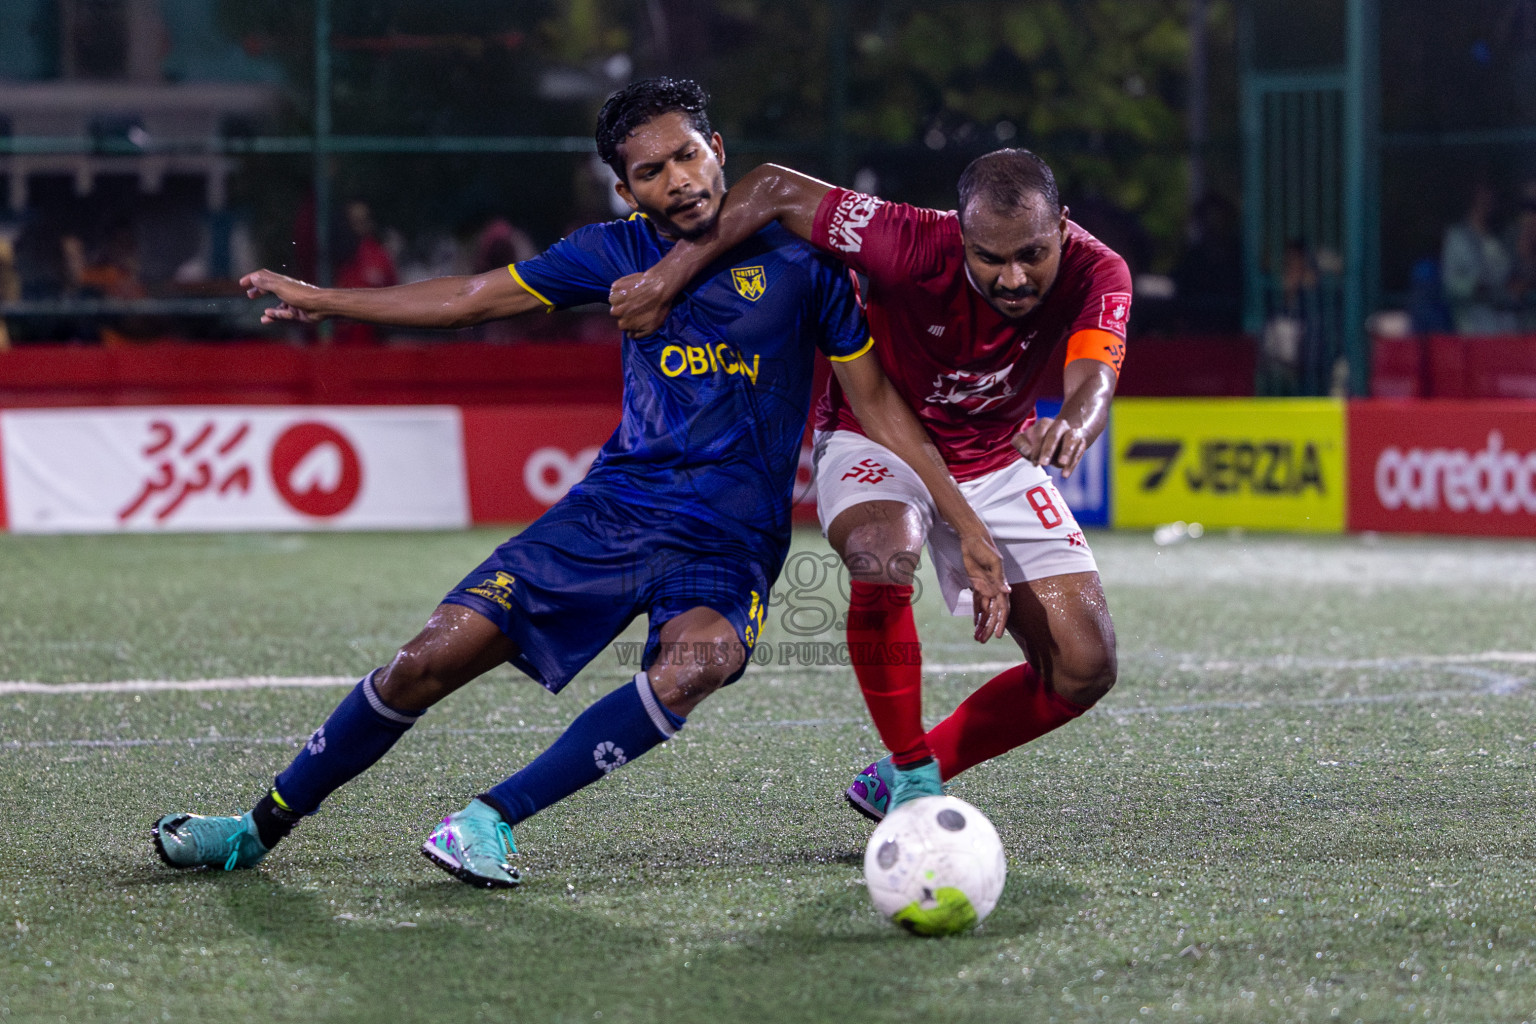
[(1308, 799)]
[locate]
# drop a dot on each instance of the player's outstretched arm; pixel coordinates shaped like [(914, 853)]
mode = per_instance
[(1089, 385), (890, 421), (439, 302), (764, 194)]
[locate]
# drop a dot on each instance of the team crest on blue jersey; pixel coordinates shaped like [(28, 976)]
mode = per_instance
[(498, 589), (750, 282)]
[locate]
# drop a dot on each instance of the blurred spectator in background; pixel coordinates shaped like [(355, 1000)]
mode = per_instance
[(10, 285), (72, 258), (1522, 248), (435, 253), (111, 271), (501, 243), (1291, 357), (498, 244), (1475, 267), (207, 272), (1427, 311), (365, 263)]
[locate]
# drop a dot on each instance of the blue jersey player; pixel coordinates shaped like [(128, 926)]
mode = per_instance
[(684, 517)]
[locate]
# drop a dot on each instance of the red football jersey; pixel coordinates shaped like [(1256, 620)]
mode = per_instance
[(968, 372)]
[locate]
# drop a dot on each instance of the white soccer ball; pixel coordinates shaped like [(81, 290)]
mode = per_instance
[(935, 866)]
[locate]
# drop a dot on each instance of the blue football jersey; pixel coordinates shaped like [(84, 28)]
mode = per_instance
[(715, 403)]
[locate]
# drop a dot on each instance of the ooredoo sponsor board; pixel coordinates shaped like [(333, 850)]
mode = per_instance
[(1268, 464), (232, 468), (1443, 467)]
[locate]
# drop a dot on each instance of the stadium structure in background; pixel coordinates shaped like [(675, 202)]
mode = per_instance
[(1345, 135)]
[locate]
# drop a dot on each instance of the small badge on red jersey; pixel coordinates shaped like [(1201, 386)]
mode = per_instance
[(1115, 311)]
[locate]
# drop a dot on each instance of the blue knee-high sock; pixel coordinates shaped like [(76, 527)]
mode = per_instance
[(359, 732), (617, 729)]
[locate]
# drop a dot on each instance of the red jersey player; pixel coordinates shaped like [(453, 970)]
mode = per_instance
[(966, 308)]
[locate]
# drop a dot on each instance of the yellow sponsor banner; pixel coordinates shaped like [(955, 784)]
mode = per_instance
[(1264, 464)]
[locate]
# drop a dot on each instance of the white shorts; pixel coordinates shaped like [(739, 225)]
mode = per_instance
[(1034, 530)]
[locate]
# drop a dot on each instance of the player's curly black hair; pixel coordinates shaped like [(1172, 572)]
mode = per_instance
[(1006, 179), (637, 103)]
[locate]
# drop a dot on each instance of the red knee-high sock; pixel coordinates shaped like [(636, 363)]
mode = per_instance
[(1011, 709), (886, 658)]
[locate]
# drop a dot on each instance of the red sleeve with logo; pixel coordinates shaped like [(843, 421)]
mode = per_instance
[(887, 242), (1104, 282), (1107, 302)]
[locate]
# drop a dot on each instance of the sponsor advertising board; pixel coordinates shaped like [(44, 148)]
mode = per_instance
[(232, 468), (1266, 464), (522, 459), (1087, 490), (1443, 467), (1465, 467)]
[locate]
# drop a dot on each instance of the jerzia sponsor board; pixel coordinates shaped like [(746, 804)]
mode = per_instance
[(1258, 463), (1443, 467)]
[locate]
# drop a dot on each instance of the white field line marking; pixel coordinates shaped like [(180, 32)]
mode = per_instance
[(1190, 663), (290, 741), (1180, 662), (158, 685), (1494, 684), (1292, 661), (1308, 702)]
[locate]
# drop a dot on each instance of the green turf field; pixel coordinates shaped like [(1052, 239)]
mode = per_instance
[(1308, 799)]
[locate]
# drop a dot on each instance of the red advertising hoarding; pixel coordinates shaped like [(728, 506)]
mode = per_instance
[(522, 459), (1443, 467)]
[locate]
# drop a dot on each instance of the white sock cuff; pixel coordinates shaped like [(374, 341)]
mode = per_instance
[(371, 694), (653, 708)]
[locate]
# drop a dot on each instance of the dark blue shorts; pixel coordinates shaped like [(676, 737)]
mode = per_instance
[(564, 588)]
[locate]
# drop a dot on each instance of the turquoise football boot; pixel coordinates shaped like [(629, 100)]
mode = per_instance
[(883, 786), (870, 793), (475, 846), (194, 841), (912, 783)]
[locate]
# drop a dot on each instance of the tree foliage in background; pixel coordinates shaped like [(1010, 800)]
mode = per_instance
[(1097, 87)]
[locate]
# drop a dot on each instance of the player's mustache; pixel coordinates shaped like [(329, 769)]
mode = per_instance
[(1028, 291), (696, 197)]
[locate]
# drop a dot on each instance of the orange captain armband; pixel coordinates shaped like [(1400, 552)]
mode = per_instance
[(1092, 343)]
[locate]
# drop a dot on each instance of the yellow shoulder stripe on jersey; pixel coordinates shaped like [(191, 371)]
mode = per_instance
[(850, 358), (549, 307)]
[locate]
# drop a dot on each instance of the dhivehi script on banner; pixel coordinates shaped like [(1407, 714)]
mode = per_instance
[(233, 468)]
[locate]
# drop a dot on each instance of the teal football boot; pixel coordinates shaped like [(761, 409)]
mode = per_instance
[(475, 845), (918, 781), (194, 841), (870, 793), (883, 786)]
